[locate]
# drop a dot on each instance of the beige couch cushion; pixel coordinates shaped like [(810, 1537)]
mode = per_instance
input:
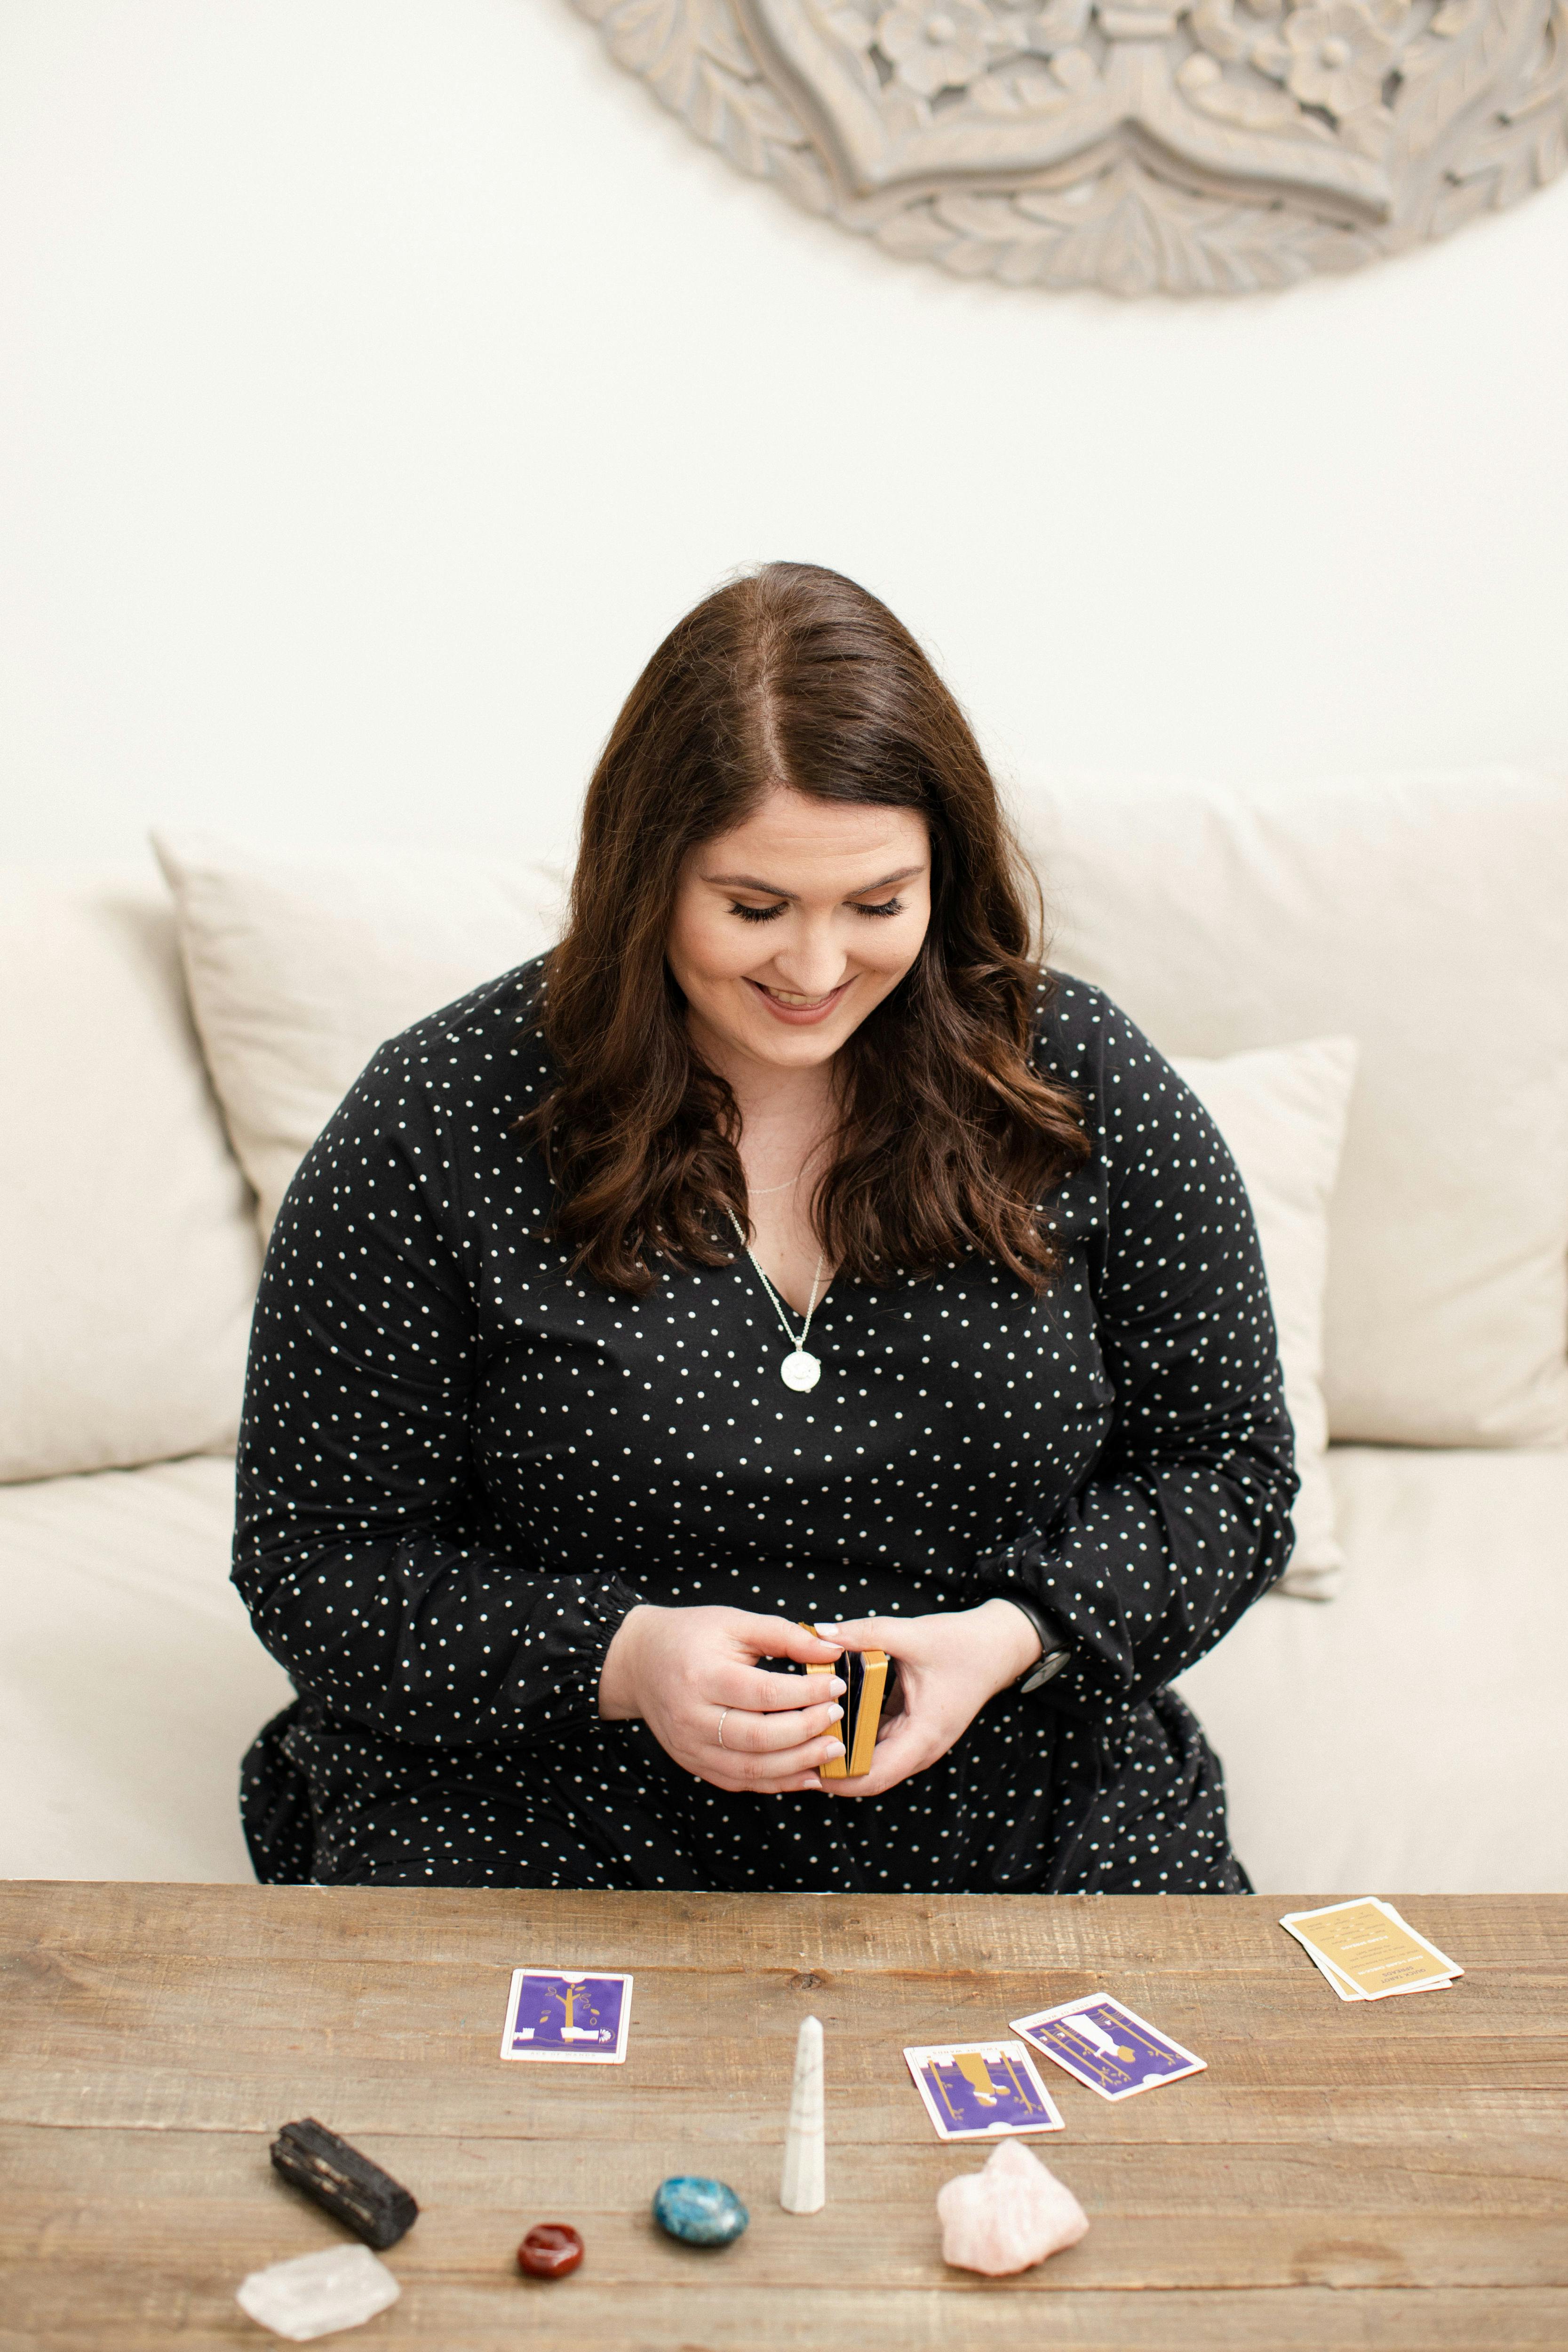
[(1423, 916), (130, 1682), (1283, 1110), (1414, 1735), (127, 1257), (300, 967)]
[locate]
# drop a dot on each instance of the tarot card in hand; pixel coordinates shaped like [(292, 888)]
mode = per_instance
[(1367, 1951), (866, 1674), (572, 2016), (1103, 2043), (983, 2090)]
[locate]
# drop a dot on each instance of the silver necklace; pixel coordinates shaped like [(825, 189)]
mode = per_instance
[(800, 1369)]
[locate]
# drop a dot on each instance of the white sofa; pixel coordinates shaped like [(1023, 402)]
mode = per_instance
[(1407, 1734)]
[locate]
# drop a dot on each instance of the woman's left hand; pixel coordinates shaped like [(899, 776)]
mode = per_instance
[(949, 1665)]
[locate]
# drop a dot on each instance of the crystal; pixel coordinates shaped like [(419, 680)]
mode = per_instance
[(703, 2212), (1008, 2216), (805, 2187), (316, 2294), (375, 2207), (550, 2251)]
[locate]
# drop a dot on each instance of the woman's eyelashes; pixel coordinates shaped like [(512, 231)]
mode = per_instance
[(766, 914)]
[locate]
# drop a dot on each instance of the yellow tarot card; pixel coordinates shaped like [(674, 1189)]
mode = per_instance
[(1367, 1951)]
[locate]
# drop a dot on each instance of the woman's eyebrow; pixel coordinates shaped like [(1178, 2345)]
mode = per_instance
[(772, 890)]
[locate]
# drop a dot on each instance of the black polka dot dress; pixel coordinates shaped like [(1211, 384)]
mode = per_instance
[(459, 1466)]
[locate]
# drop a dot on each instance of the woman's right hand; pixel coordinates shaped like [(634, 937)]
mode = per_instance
[(685, 1671)]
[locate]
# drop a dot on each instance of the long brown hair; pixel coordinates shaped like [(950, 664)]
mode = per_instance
[(949, 1142)]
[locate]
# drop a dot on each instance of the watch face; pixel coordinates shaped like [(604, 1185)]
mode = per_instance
[(1044, 1668)]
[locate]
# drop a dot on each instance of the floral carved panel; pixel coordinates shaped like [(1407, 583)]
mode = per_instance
[(1144, 146)]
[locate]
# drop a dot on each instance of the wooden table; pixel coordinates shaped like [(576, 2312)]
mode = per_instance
[(1388, 2175)]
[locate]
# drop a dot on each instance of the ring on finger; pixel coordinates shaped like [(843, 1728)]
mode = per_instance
[(723, 1711)]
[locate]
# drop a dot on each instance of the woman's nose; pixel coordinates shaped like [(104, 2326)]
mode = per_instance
[(812, 964)]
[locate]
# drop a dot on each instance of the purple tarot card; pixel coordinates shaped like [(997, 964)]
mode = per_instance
[(982, 2090), (570, 2015), (1104, 2043)]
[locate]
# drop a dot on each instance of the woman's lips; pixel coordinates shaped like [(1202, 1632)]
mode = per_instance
[(799, 1011)]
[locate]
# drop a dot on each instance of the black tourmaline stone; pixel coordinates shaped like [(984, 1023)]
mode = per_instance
[(347, 2183)]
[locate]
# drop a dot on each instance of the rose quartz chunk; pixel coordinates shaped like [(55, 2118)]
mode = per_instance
[(1007, 2217)]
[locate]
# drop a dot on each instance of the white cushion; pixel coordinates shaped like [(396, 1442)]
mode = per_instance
[(130, 1682), (300, 967), (1424, 917), (1282, 1111), (128, 1255), (1414, 1735)]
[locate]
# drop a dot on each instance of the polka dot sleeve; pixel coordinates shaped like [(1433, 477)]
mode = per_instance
[(364, 1550), (1185, 1517)]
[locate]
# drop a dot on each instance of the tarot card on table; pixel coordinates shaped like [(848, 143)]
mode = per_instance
[(982, 2090), (1367, 1951), (1103, 2043), (574, 2016)]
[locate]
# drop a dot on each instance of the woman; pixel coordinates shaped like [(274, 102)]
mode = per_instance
[(784, 1248)]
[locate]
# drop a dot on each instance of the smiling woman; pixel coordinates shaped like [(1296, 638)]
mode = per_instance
[(539, 1479), (798, 957)]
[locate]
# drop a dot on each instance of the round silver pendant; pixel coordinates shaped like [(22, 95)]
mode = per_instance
[(800, 1370)]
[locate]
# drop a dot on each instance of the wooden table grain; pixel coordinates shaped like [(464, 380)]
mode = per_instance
[(1391, 2174)]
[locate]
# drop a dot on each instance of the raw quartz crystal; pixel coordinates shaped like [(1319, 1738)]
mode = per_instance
[(316, 2294), (1008, 2216)]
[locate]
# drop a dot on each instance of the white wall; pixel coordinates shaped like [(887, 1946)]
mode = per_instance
[(379, 378)]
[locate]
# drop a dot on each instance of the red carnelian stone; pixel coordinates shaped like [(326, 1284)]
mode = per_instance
[(550, 2251)]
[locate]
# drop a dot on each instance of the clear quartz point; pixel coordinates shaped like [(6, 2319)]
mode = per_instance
[(804, 2185), (800, 1370)]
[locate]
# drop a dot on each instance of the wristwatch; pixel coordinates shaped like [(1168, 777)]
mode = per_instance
[(1052, 1657)]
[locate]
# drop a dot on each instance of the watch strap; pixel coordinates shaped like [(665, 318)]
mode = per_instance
[(1053, 1656)]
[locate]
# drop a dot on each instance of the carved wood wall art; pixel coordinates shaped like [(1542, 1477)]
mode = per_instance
[(1145, 146)]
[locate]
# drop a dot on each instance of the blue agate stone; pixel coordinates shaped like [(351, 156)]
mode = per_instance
[(702, 2212)]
